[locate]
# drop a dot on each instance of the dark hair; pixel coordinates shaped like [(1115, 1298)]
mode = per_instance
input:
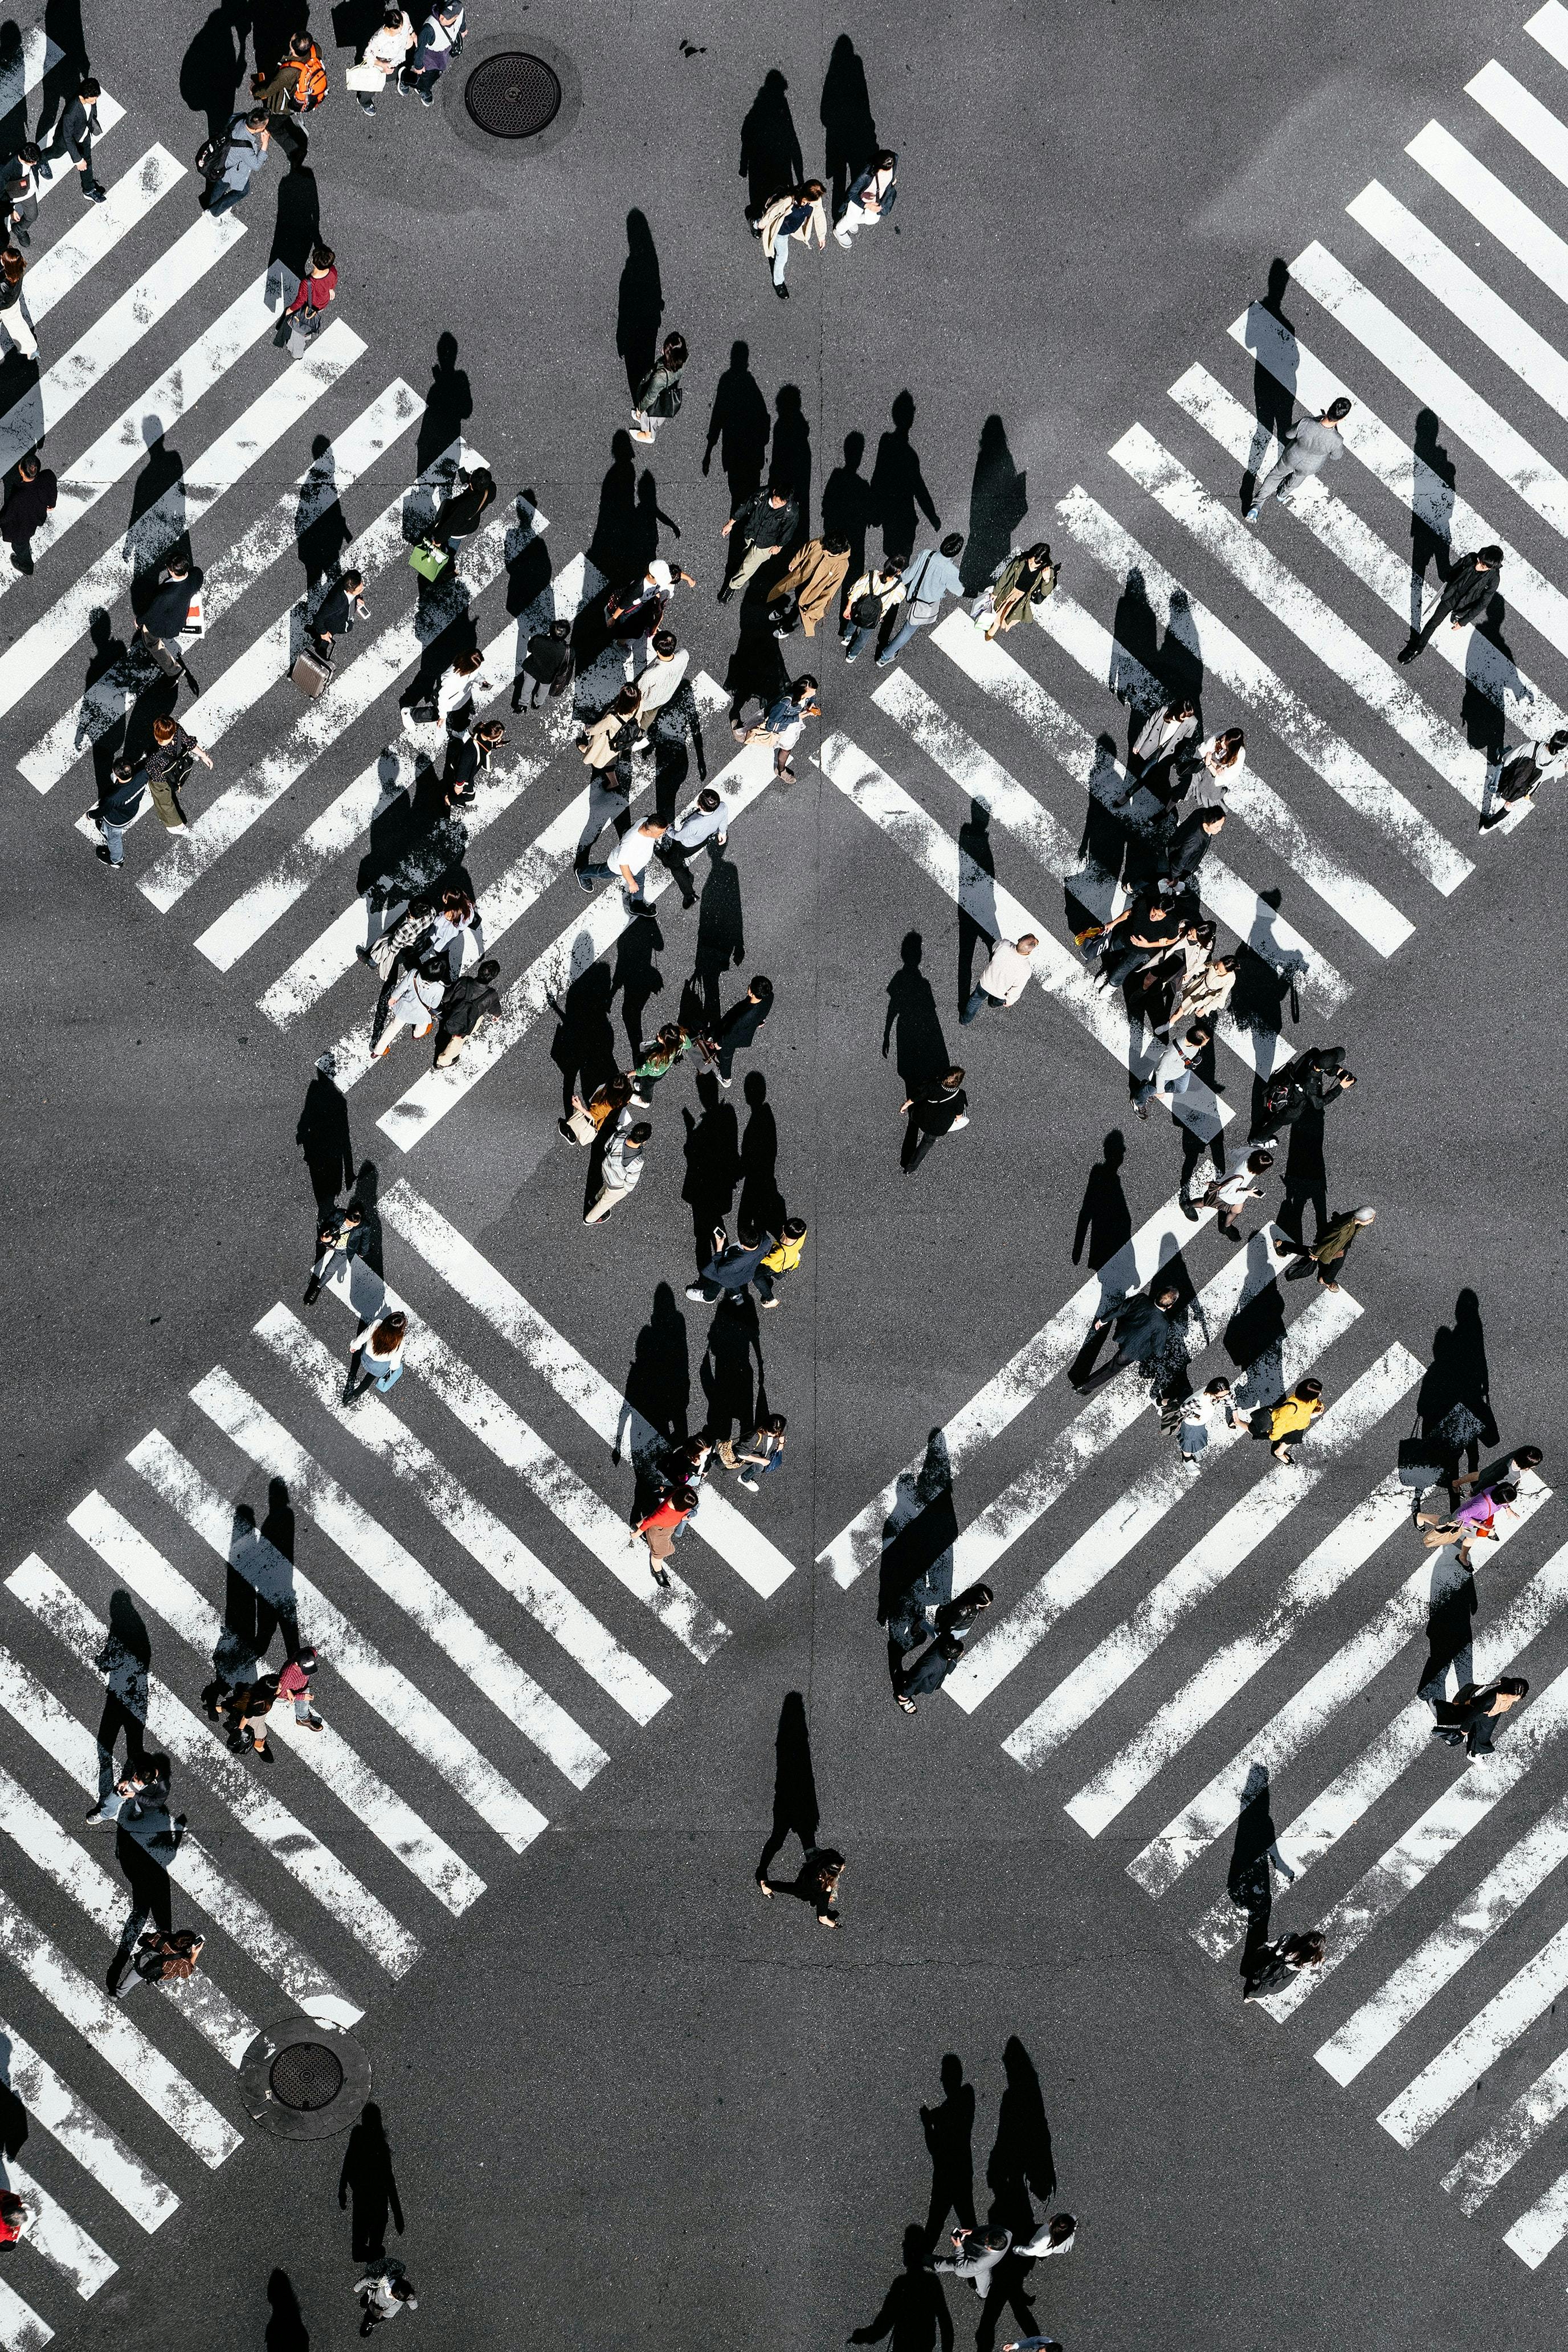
[(1309, 1388), (389, 1333), (1306, 1949), (561, 628), (163, 729), (121, 770), (954, 543), (794, 1231), (256, 118), (837, 545), (1061, 2227), (488, 968), (675, 349), (1040, 552), (774, 1421), (777, 489), (812, 188), (322, 257), (178, 566), (1233, 740), (1258, 1161), (804, 687), (665, 642), (1515, 1686), (707, 800), (640, 1133), (671, 1034), (1488, 555), (1505, 1492), (355, 581), (1527, 1456), (683, 1497), (91, 88), (392, 21), (300, 44), (619, 1089), (1198, 1034), (453, 896), (30, 152), (490, 730), (627, 701), (886, 160), (466, 664), (28, 458), (12, 263), (1338, 408), (760, 985), (305, 1656), (954, 1077), (1558, 743), (747, 1233)]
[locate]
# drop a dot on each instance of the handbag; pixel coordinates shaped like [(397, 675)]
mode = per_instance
[(365, 77), (428, 561), (300, 331), (1417, 1467), (580, 1127)]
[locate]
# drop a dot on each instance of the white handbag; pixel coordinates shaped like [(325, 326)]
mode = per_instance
[(366, 78)]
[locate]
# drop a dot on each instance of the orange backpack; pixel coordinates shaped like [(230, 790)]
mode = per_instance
[(311, 87)]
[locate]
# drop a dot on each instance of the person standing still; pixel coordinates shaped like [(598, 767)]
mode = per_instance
[(929, 578), (869, 199), (800, 215), (1005, 978), (78, 128), (1311, 444), (657, 396)]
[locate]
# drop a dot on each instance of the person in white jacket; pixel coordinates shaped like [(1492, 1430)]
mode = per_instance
[(1005, 978), (386, 50)]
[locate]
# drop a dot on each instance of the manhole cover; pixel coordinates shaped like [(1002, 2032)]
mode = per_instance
[(306, 2076), (512, 96)]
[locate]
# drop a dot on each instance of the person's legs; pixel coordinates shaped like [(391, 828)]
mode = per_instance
[(448, 1051), (978, 1001), (223, 198), (855, 638), (1278, 477), (780, 259), (389, 1379), (854, 217), (896, 643), (751, 563), (113, 842), (167, 806), (604, 1200), (605, 806)]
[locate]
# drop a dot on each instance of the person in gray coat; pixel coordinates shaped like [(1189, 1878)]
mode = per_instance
[(1312, 441), (247, 140)]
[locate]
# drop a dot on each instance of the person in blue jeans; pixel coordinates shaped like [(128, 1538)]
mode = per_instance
[(115, 810), (383, 1342), (929, 578)]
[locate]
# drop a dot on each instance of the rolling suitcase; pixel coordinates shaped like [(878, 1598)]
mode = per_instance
[(311, 673)]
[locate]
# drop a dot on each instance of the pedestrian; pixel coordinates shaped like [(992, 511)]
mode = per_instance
[(296, 87), (382, 1342), (168, 1958), (954, 1621), (975, 2256), (1467, 592), (660, 1527), (1023, 583), (621, 1168), (74, 134), (781, 1261), (759, 1451), (468, 757), (583, 1121), (14, 323), (341, 1231), (783, 724), (1177, 1071), (760, 528), (656, 683), (549, 663), (440, 41), (1005, 978), (1187, 846), (383, 2293), (466, 1002), (940, 1109), (738, 1028), (1273, 1966), (1310, 1081), (448, 927), (634, 855), (800, 215), (1201, 1416), (412, 1002), (926, 581), (115, 811), (707, 820), (1311, 443), (731, 1265), (232, 162), (1473, 1522), (1204, 994), (807, 587), (1292, 1417), (687, 1465), (174, 751), (1332, 1247), (294, 1684), (473, 491), (1147, 1332), (1034, 2343), (1473, 1716), (605, 744), (341, 604), (634, 614), (868, 198), (246, 1708), (20, 174), (1206, 772), (815, 1882), (1159, 741), (166, 615), (657, 396), (385, 52), (456, 696), (1055, 2237), (16, 2218), (1522, 1471), (306, 314), (873, 597), (1230, 1193), (1521, 776)]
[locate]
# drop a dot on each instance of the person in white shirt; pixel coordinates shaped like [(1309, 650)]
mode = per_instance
[(621, 1168), (459, 693), (387, 50), (1005, 978), (383, 1342), (708, 819), (1208, 774), (633, 856), (1524, 771), (412, 1002), (1231, 1193), (1159, 740), (1176, 1071), (1055, 2238), (1201, 1416), (383, 2293), (657, 683)]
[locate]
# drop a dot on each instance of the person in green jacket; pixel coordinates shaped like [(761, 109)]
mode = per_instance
[(1332, 1245)]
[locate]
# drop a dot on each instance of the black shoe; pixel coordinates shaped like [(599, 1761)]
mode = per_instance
[(312, 1292), (725, 593), (783, 293), (1408, 654), (93, 193)]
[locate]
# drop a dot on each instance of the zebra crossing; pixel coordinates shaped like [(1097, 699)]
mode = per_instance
[(481, 1666), (1213, 1669)]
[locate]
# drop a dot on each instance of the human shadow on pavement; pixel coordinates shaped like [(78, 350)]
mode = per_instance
[(639, 300), (368, 2180), (914, 2316), (796, 1810), (949, 2128)]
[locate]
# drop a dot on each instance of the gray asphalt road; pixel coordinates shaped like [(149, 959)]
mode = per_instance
[(626, 2099)]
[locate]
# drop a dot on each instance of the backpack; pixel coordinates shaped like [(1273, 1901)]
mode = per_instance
[(311, 87), (211, 156), (864, 610)]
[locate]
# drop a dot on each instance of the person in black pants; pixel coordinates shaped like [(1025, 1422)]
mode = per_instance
[(740, 1026), (1468, 589), (158, 630), (74, 137), (342, 604), (941, 1110)]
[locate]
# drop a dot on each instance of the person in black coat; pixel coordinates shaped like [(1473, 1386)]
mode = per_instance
[(1468, 589), (740, 1026), (466, 1002), (29, 502), (549, 662), (762, 525), (460, 513), (939, 1110), (158, 630), (78, 128), (341, 605)]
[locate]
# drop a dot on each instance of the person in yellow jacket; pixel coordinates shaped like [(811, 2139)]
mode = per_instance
[(814, 578), (781, 1260), (1292, 1415)]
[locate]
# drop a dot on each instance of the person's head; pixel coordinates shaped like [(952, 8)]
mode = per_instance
[(774, 1423), (354, 1214), (887, 161), (305, 1658), (953, 545), (13, 264), (322, 258), (1182, 708), (123, 771), (884, 573), (978, 1596), (1225, 963), (561, 631), (1487, 557), (810, 190), (1214, 821), (490, 734), (638, 1135), (91, 89), (1337, 411), (300, 45), (29, 153), (618, 1090), (1060, 2228), (1306, 1949), (457, 904), (795, 1230), (709, 801), (489, 970), (392, 20), (1217, 1388), (627, 701), (1558, 743), (1505, 1492), (480, 477), (163, 730), (177, 566), (1365, 1216), (664, 645), (466, 664), (1027, 942), (1527, 1457), (256, 119), (671, 1036), (1229, 746), (354, 582), (760, 989), (1258, 1163), (994, 2241), (675, 351), (835, 544), (654, 827), (748, 1233), (952, 1078), (1198, 1037), (388, 1335), (1513, 1687), (803, 689), (1311, 1390), (1168, 1296), (778, 494)]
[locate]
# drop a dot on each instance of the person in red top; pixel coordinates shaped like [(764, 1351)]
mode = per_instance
[(15, 2217), (294, 1683), (317, 289), (658, 1530)]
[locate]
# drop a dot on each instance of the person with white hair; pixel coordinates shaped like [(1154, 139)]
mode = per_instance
[(1332, 1247)]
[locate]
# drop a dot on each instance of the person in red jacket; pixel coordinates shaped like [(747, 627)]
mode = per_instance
[(316, 291), (659, 1529)]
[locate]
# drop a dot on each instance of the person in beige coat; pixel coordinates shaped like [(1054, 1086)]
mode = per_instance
[(801, 213), (813, 578)]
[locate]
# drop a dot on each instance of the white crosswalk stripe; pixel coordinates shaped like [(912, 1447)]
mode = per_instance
[(410, 1711), (21, 2329), (1342, 768), (1542, 133), (64, 2244), (241, 564), (50, 2101), (189, 1740), (1488, 200), (91, 239), (1001, 916), (155, 1581), (396, 1573)]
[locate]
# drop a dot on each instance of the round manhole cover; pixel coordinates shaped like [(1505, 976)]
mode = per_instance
[(512, 96), (306, 2076)]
